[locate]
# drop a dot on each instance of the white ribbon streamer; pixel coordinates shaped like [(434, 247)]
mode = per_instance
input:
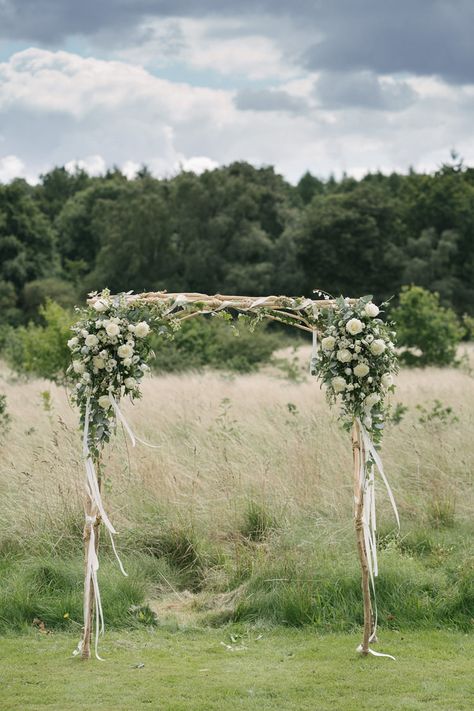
[(133, 437), (375, 654), (368, 462), (92, 562)]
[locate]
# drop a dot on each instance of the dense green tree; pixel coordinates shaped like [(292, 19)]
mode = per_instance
[(351, 242), (78, 242), (27, 246), (236, 229), (57, 186)]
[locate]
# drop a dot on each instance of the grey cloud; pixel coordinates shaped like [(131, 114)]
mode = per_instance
[(415, 36), (51, 21), (338, 90), (424, 37), (269, 100)]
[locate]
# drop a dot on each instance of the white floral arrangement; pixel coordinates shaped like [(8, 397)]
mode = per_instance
[(357, 361), (110, 349)]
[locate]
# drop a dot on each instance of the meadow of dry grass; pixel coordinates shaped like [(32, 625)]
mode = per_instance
[(233, 448), (226, 438)]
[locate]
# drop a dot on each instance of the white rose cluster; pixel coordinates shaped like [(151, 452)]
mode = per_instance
[(358, 361), (109, 352)]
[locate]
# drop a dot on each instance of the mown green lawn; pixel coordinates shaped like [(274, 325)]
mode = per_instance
[(203, 670)]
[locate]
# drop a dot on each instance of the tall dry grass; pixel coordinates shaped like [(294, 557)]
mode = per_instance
[(225, 440)]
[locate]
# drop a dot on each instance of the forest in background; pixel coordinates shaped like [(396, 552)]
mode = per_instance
[(235, 229)]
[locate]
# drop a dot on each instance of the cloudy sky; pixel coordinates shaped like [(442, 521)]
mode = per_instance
[(320, 85)]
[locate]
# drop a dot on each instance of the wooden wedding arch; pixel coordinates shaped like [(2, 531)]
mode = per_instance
[(309, 315)]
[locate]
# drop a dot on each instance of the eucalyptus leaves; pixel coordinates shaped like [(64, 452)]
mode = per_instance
[(357, 361)]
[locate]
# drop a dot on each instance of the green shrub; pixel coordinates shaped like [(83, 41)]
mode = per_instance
[(41, 350), (215, 343), (423, 324), (37, 293)]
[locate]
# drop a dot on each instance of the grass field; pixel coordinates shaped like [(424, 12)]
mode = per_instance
[(242, 517), (233, 668)]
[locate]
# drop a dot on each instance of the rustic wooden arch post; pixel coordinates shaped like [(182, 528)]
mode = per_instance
[(310, 315)]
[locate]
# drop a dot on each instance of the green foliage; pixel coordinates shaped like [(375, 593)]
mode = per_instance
[(41, 350), (236, 229), (36, 293), (468, 323), (423, 324), (437, 414), (215, 343), (27, 249), (397, 413)]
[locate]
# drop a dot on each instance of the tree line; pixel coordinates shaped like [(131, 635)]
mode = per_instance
[(235, 229)]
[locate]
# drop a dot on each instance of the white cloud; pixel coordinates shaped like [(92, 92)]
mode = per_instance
[(199, 164), (223, 46), (94, 165), (11, 167), (60, 108)]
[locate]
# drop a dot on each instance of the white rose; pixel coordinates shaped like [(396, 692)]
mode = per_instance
[(72, 343), (100, 305), (354, 326), (387, 380), (371, 400), (344, 356), (104, 402), (127, 362), (98, 362), (86, 377), (91, 340), (347, 371), (377, 347), (125, 351), (112, 329), (111, 364), (131, 328), (103, 354), (371, 310), (78, 366), (142, 329), (338, 384), (361, 370), (84, 333), (130, 383), (328, 343)]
